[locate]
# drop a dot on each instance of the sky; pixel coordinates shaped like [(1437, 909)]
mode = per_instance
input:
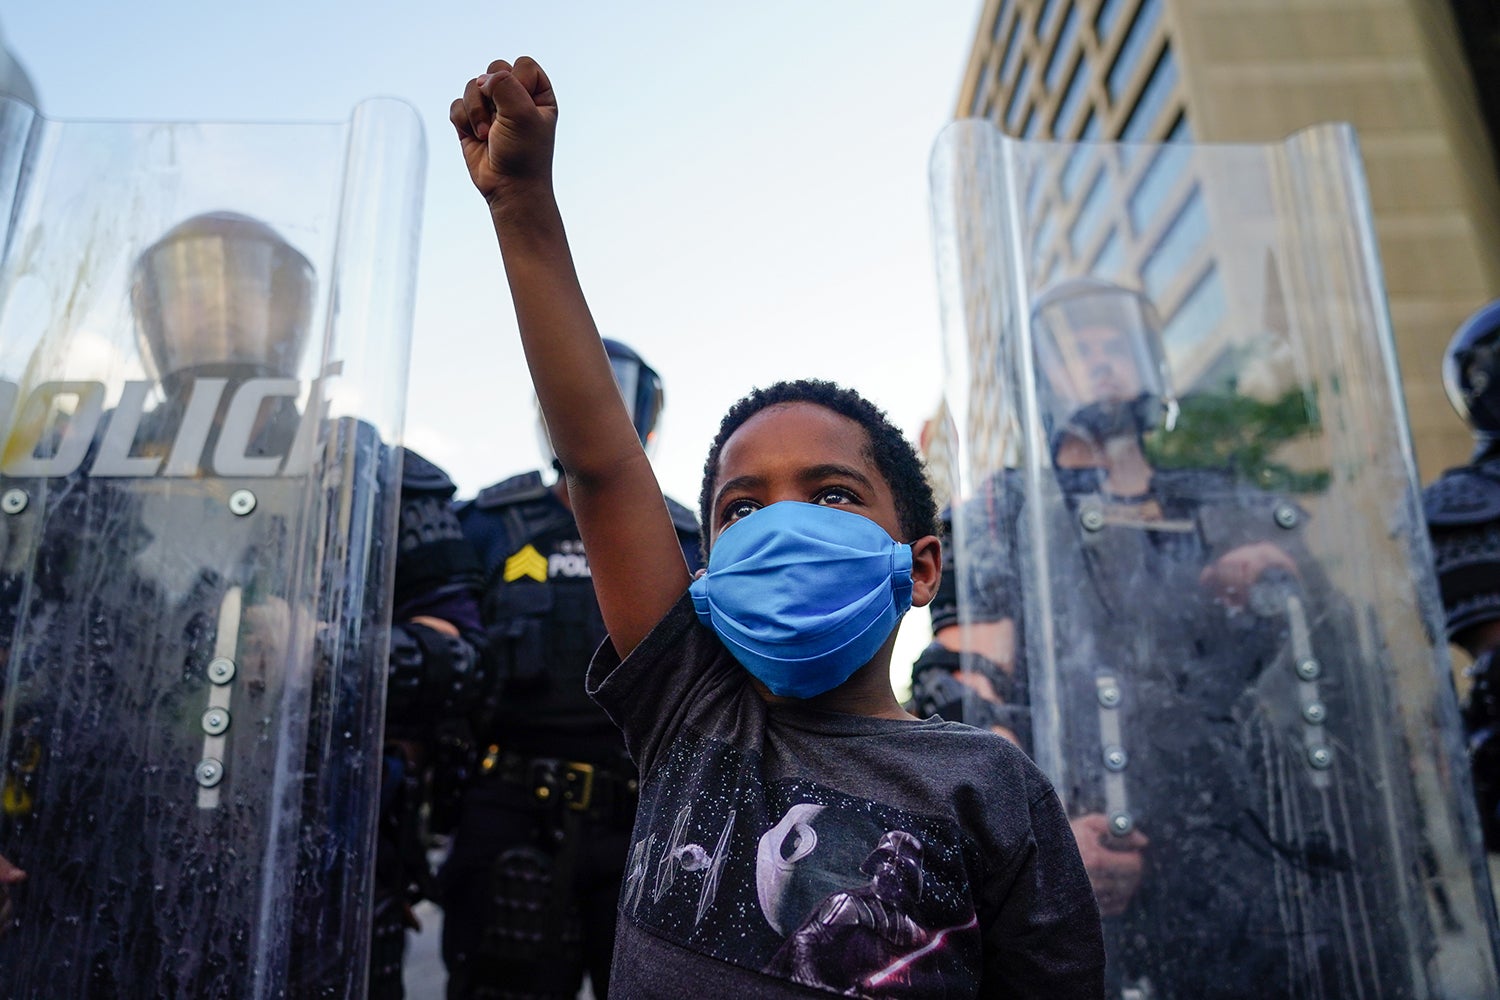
[(744, 185)]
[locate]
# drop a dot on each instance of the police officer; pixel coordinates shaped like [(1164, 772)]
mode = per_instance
[(1175, 598), (533, 877), (221, 299), (436, 679), (1463, 517), (434, 670), (970, 672)]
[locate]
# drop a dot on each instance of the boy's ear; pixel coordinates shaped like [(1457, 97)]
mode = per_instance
[(926, 569)]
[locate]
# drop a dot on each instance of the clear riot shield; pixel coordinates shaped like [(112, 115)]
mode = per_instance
[(204, 332), (1185, 481)]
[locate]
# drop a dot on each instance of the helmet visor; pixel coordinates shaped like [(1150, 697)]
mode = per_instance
[(1100, 368), (641, 389)]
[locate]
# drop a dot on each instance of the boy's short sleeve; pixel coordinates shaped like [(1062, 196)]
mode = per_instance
[(1047, 939), (680, 673)]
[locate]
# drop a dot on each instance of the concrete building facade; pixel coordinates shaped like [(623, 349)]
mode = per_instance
[(1414, 77)]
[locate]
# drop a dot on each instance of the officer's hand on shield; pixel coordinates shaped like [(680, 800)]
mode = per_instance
[(506, 122), (1230, 577), (982, 686), (9, 875), (1115, 864)]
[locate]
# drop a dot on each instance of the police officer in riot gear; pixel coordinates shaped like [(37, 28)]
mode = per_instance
[(1221, 834), (436, 679), (223, 308), (1463, 517), (533, 878), (970, 672), (173, 577), (192, 317)]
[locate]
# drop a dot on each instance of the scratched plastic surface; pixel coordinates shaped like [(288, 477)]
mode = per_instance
[(203, 339)]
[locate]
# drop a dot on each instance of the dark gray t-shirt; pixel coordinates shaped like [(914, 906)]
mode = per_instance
[(782, 851)]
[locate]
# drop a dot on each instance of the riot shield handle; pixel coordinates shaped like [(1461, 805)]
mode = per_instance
[(1113, 755)]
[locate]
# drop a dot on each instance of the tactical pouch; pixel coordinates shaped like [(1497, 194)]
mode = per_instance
[(516, 648)]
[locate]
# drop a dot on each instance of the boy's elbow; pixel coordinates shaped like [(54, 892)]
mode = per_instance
[(604, 474)]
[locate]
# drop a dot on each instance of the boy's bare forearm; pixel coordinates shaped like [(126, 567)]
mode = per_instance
[(590, 428), (505, 122), (638, 570)]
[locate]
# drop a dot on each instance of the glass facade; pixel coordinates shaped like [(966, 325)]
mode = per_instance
[(1110, 262), (1080, 159), (1132, 49), (1018, 98), (1044, 17), (1062, 50), (1199, 314), (1154, 97), (1091, 214), (1104, 21), (1148, 200), (1012, 49), (1078, 87), (1175, 247)]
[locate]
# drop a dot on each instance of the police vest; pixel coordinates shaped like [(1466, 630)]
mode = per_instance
[(542, 620)]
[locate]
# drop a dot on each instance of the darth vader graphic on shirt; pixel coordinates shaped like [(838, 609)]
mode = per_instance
[(800, 881)]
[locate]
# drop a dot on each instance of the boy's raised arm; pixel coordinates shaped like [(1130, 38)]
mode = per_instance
[(506, 122)]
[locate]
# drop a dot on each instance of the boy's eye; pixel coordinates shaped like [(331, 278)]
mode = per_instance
[(835, 496), (736, 509)]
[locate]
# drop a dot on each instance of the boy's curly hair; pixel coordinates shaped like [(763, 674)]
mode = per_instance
[(893, 455)]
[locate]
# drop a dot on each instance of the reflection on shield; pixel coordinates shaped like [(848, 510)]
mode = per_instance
[(1225, 611), (197, 507)]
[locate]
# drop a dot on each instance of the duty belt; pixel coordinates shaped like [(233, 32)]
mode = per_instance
[(597, 790)]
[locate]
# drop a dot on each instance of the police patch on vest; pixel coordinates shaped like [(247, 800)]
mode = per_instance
[(568, 561), (527, 562)]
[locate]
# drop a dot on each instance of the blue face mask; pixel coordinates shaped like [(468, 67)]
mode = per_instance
[(804, 595)]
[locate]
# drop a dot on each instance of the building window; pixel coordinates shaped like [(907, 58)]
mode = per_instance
[(981, 95), (1174, 250), (1104, 21), (1198, 315), (1035, 188), (1044, 235), (1000, 22), (1062, 50), (1090, 130), (1110, 260), (1158, 180), (1148, 107), (1033, 126), (1044, 17), (1078, 86), (1012, 47), (1079, 158), (1090, 215), (1131, 49), (1017, 97)]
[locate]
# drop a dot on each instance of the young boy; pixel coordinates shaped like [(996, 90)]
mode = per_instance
[(798, 832)]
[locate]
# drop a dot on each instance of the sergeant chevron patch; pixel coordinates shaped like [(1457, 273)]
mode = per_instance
[(527, 562)]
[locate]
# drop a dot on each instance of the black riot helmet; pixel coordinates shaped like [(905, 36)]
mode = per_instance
[(1101, 369), (1471, 376), (222, 294), (639, 385)]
